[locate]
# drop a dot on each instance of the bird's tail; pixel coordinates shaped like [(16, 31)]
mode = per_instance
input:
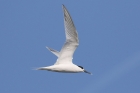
[(40, 68), (34, 68)]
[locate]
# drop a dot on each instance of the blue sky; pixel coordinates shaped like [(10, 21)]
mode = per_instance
[(109, 34)]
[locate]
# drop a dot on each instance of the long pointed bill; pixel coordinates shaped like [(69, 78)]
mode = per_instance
[(87, 72)]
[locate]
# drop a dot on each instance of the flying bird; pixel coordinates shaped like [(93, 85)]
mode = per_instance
[(64, 62)]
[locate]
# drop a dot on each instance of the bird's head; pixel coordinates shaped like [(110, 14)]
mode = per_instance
[(84, 70)]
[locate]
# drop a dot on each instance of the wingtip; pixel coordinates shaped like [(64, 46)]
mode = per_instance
[(48, 48), (63, 6)]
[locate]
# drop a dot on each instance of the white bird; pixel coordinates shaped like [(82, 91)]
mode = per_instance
[(64, 62)]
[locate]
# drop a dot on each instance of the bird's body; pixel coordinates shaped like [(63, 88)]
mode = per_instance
[(64, 62), (65, 68)]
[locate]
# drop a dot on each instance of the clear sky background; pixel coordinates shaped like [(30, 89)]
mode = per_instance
[(109, 34)]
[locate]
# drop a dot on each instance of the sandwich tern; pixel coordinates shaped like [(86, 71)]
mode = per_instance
[(64, 61)]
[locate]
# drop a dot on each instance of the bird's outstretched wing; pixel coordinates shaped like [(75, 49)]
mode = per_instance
[(67, 51)]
